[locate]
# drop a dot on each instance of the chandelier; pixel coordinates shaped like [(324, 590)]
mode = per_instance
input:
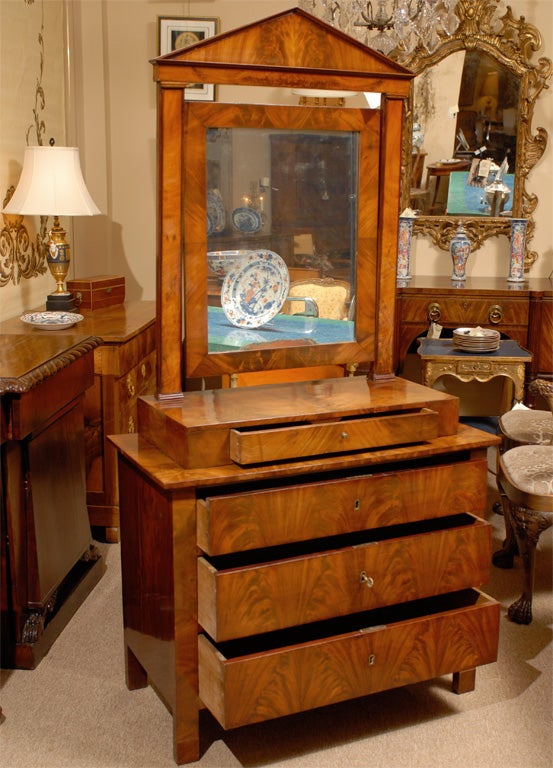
[(388, 26)]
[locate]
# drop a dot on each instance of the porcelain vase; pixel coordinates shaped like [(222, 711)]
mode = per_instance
[(404, 248), (518, 245), (459, 248)]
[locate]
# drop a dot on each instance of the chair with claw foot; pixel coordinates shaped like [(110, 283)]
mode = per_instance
[(525, 482)]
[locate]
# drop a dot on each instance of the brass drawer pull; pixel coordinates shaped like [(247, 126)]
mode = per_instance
[(143, 370), (130, 386), (495, 314), (434, 312), (368, 580), (344, 435)]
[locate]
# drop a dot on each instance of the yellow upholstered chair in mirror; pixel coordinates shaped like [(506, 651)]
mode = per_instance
[(323, 297)]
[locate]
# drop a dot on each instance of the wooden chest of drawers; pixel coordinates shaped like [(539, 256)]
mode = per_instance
[(124, 369), (273, 587)]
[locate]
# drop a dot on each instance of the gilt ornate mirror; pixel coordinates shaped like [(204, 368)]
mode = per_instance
[(469, 121)]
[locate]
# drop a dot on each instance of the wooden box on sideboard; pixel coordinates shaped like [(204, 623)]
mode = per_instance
[(98, 291)]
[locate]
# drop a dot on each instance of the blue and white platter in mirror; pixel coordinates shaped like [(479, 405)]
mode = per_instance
[(254, 291), (246, 219)]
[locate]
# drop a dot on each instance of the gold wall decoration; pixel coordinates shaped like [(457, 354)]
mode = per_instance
[(19, 256)]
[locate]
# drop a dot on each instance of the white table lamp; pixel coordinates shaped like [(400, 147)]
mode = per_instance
[(52, 184)]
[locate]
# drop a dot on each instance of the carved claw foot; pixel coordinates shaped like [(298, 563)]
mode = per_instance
[(520, 611)]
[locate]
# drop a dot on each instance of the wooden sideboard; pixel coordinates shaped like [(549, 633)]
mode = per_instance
[(124, 369), (49, 563), (522, 312), (314, 536)]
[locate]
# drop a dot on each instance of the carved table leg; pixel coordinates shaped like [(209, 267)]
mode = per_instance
[(504, 557), (528, 526)]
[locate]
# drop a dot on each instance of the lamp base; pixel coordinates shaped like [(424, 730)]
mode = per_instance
[(61, 302)]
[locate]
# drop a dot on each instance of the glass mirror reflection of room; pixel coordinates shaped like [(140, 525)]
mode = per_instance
[(281, 236)]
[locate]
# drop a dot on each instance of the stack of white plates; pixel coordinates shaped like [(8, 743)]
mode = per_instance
[(476, 339)]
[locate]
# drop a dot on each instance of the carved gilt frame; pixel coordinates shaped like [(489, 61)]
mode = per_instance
[(511, 42)]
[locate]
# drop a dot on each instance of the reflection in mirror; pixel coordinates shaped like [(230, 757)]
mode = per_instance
[(466, 141), (281, 236)]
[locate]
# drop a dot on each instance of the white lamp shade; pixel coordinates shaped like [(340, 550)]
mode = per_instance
[(51, 184)]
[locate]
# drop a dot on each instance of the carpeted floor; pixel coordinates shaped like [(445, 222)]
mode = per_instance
[(74, 710)]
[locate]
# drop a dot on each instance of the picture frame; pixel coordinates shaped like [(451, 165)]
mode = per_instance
[(175, 32)]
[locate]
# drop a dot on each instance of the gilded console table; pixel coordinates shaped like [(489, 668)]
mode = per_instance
[(440, 357)]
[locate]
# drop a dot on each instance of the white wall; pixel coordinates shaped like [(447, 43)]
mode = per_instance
[(111, 106), (32, 110)]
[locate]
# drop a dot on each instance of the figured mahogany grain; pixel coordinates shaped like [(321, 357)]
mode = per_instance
[(251, 519), (261, 686)]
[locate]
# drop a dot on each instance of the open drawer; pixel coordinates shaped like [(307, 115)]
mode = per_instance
[(245, 682), (295, 511), (267, 590), (252, 446)]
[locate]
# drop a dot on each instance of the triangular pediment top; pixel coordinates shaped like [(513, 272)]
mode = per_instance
[(290, 39)]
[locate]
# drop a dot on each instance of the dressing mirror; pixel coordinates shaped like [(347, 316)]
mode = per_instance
[(309, 192), (469, 124), (282, 253)]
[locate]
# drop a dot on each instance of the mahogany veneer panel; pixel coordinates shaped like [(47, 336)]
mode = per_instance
[(259, 686), (271, 516), (237, 601), (254, 446)]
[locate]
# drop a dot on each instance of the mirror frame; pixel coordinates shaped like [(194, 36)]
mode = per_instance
[(511, 42), (198, 117), (291, 49)]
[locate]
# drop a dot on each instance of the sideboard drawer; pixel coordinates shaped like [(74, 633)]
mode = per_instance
[(270, 516), (245, 682), (250, 593), (252, 446), (466, 311)]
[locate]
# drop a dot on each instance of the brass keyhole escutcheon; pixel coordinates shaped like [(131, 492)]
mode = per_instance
[(372, 659), (367, 580)]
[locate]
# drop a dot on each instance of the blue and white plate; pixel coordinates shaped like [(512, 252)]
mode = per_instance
[(255, 290), (52, 321), (246, 220)]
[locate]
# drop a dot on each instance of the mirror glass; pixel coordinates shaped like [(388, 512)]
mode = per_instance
[(465, 134), (281, 236)]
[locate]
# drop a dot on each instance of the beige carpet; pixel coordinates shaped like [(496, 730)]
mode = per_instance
[(74, 710)]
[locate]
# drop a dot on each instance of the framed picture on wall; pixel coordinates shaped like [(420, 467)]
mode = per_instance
[(174, 32)]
